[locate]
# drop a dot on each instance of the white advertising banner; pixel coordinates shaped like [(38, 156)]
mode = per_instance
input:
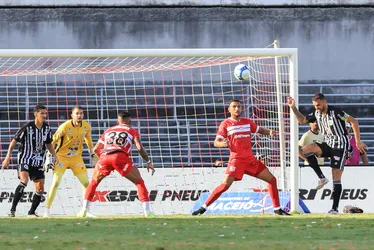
[(357, 184), (176, 190)]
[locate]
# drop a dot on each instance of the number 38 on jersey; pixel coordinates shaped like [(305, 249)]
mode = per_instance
[(119, 138)]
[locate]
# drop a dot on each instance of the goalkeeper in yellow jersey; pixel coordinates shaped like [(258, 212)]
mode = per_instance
[(68, 143)]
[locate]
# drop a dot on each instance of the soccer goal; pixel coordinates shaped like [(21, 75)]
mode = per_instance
[(177, 98)]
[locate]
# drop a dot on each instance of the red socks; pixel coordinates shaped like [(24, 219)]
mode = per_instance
[(142, 191), (273, 192), (91, 189), (216, 194)]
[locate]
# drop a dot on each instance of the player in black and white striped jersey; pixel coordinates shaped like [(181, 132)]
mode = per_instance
[(34, 138), (331, 121)]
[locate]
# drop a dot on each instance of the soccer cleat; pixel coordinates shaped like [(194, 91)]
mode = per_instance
[(149, 214), (333, 212), (12, 214), (47, 213), (32, 215), (201, 210), (89, 215), (82, 213), (322, 182), (280, 211)]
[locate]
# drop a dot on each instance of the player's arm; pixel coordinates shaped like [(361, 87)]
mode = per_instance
[(6, 160), (265, 131), (356, 130), (365, 159), (89, 143), (52, 151), (98, 148), (221, 140), (300, 117), (302, 143), (17, 138), (144, 154), (57, 137)]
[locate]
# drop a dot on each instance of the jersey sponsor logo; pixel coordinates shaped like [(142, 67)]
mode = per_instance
[(326, 194), (154, 195), (242, 136)]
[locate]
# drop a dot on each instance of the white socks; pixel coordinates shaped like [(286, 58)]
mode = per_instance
[(86, 204), (146, 207)]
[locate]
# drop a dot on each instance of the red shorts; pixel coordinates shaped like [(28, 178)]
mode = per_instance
[(116, 161), (237, 168)]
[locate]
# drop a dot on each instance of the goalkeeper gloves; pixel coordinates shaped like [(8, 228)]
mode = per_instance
[(48, 164), (94, 157)]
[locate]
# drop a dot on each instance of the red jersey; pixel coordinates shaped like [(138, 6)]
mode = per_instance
[(239, 134), (118, 138)]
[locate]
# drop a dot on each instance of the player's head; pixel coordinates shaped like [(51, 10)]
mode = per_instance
[(235, 108), (40, 113), (124, 118), (348, 127), (313, 126), (319, 102), (77, 113)]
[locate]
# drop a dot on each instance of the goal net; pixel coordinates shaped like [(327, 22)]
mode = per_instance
[(177, 99)]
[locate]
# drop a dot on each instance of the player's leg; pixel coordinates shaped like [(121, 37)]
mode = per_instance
[(234, 172), (80, 171), (23, 176), (58, 174), (311, 152), (217, 192), (263, 173), (135, 177), (337, 167), (98, 175), (39, 189)]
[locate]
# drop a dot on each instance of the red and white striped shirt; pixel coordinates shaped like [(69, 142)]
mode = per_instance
[(118, 138), (239, 134)]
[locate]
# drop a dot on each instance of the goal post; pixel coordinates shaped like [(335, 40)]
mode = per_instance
[(177, 98)]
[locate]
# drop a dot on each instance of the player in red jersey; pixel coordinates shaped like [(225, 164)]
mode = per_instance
[(235, 133), (114, 150)]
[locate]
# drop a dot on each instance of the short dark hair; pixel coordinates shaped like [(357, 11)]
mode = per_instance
[(124, 114), (39, 107), (234, 100), (76, 107), (318, 96)]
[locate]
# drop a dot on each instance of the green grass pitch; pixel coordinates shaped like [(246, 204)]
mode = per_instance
[(307, 231)]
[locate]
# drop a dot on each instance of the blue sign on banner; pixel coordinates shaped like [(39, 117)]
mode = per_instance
[(243, 203)]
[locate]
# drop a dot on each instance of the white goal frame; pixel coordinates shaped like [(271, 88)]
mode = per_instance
[(291, 53)]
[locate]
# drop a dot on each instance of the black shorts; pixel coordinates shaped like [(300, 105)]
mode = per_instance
[(35, 173), (337, 156)]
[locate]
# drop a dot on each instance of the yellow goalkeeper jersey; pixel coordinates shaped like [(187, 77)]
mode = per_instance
[(68, 139)]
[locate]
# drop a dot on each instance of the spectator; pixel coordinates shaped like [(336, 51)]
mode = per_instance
[(313, 135), (354, 155)]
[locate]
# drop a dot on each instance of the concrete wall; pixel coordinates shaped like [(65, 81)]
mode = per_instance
[(181, 2), (333, 43)]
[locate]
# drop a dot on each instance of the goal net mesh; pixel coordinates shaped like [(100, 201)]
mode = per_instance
[(177, 104)]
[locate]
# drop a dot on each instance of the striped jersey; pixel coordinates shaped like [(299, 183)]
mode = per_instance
[(119, 138), (332, 126), (33, 142), (68, 139), (239, 133)]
